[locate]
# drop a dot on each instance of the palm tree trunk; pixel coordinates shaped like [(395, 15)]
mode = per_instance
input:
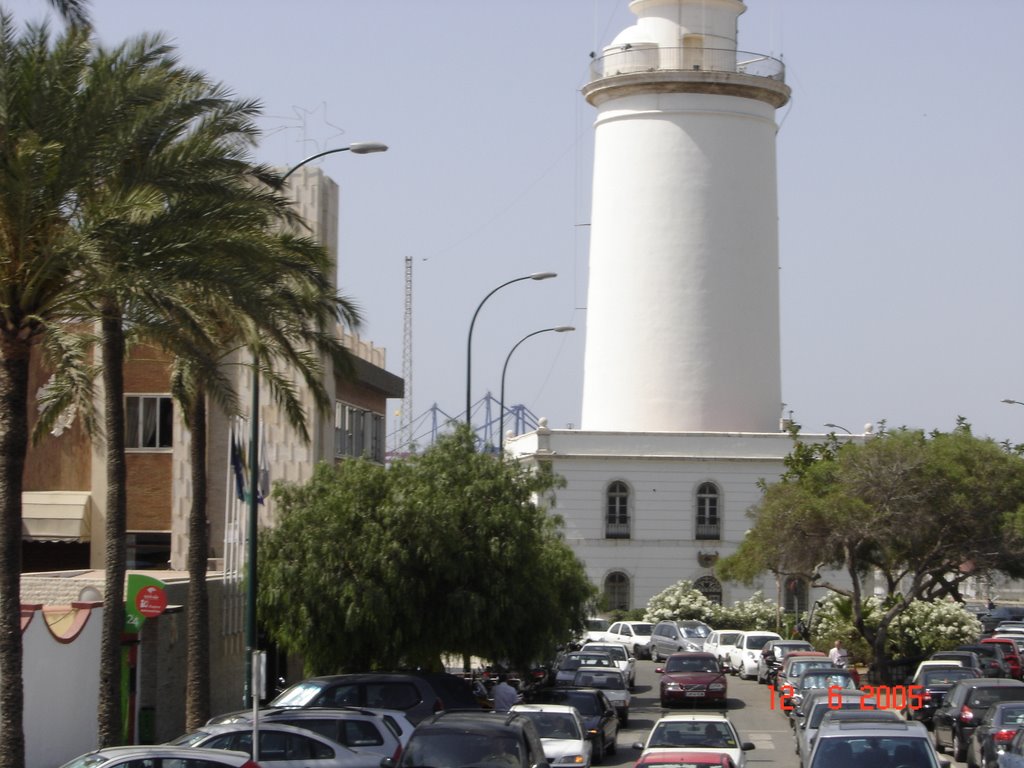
[(113, 351), (197, 696), (13, 446)]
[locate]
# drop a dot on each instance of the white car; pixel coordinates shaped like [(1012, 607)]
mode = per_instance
[(612, 682), (152, 754), (743, 658), (721, 642), (705, 732), (633, 634), (561, 734), (595, 630), (622, 657)]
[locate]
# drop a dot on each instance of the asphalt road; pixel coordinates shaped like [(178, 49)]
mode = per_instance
[(750, 710)]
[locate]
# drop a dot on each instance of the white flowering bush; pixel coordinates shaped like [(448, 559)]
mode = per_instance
[(680, 601), (927, 627), (754, 613)]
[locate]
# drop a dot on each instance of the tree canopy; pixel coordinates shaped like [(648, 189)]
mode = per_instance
[(918, 513), (445, 552)]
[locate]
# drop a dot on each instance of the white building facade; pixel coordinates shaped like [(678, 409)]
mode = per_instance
[(682, 385)]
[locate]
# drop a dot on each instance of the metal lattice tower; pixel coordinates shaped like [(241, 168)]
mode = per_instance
[(405, 429)]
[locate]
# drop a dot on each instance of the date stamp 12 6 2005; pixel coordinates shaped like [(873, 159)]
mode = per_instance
[(875, 697)]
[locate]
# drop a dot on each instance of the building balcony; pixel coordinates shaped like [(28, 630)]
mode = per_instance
[(708, 532)]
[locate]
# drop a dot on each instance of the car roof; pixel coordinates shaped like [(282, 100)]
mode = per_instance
[(544, 708), (848, 728), (693, 655), (692, 717), (159, 750)]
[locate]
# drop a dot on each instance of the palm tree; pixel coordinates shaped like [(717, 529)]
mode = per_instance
[(72, 11)]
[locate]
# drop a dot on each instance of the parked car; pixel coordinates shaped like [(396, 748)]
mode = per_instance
[(598, 714), (417, 694), (381, 730), (706, 732), (772, 654), (692, 677), (151, 754), (994, 733), (993, 660), (823, 678), (565, 672), (609, 680), (671, 636), (932, 685), (620, 655), (280, 743), (561, 733), (720, 642), (954, 722), (482, 739), (872, 744), (796, 663), (632, 634), (1010, 653), (594, 630), (746, 653)]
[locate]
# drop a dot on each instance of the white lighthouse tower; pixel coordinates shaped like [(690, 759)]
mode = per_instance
[(683, 305)]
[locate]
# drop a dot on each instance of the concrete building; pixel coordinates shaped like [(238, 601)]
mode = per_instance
[(682, 399)]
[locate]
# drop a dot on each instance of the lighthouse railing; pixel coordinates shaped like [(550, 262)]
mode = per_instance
[(647, 57)]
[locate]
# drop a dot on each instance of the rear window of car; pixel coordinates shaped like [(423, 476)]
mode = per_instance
[(392, 695), (441, 747), (728, 638), (945, 676), (985, 697)]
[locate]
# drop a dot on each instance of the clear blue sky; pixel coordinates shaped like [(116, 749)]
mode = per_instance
[(901, 183)]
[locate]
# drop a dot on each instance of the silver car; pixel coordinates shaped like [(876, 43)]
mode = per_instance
[(622, 657), (612, 682), (150, 754)]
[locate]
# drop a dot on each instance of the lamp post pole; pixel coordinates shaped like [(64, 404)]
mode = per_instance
[(469, 340), (504, 368), (836, 426), (249, 695)]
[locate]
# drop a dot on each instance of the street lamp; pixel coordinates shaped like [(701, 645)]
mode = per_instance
[(469, 340), (1008, 401), (251, 640), (504, 368), (836, 426)]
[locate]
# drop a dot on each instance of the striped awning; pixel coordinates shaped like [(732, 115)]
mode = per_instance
[(55, 515)]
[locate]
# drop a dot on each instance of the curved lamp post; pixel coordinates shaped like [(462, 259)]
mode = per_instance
[(469, 340), (249, 695), (1008, 401), (504, 368), (836, 426)]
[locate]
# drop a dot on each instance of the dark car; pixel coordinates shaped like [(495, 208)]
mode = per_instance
[(932, 683), (993, 661), (825, 678), (954, 722), (966, 659), (999, 614), (598, 713), (1010, 653), (994, 733), (418, 695), (482, 739), (692, 678)]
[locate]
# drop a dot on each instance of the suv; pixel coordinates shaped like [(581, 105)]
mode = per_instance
[(954, 722), (846, 744), (418, 695), (482, 739), (671, 636)]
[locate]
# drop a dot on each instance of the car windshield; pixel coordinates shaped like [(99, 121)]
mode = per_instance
[(827, 681), (757, 642), (189, 739), (299, 695), (597, 625), (554, 725), (845, 751), (586, 703), (617, 652), (692, 733), (576, 660), (608, 681), (458, 749), (698, 664)]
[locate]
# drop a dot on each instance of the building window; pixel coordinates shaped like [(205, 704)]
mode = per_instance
[(616, 523), (616, 591), (710, 587), (148, 550), (149, 421), (708, 521), (794, 595), (358, 432)]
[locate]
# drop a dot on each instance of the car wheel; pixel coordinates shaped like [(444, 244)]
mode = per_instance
[(959, 750), (613, 747), (637, 652)]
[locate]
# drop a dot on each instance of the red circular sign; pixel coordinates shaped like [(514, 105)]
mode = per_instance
[(151, 601)]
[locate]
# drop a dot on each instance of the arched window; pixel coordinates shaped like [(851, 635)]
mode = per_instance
[(616, 521), (794, 595), (616, 591), (708, 520), (710, 587)]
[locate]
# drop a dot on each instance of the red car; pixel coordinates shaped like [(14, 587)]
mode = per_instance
[(1010, 653), (679, 759), (692, 677)]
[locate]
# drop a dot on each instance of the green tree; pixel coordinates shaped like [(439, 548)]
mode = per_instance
[(921, 513), (360, 552)]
